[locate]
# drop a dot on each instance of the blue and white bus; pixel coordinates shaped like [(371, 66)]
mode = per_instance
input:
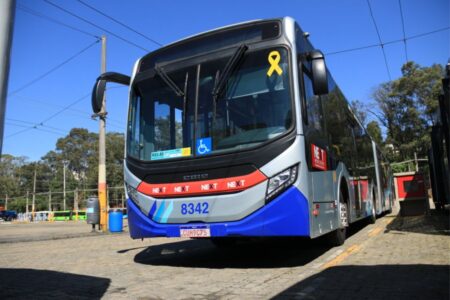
[(242, 132)]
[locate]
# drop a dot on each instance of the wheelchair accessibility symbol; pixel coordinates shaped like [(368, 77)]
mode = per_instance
[(203, 146)]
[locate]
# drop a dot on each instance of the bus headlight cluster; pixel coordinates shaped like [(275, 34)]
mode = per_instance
[(132, 193), (280, 182)]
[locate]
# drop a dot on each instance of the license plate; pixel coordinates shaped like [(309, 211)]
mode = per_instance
[(198, 231)]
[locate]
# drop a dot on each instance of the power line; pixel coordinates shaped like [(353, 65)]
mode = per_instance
[(403, 28), (41, 124), (120, 23), (352, 49), (50, 117), (77, 112), (31, 123), (50, 19), (34, 127), (388, 43), (66, 107), (428, 33), (379, 40), (52, 69), (95, 25)]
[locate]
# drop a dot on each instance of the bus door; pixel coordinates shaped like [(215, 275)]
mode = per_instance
[(321, 184)]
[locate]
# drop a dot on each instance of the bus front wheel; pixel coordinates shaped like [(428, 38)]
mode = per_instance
[(337, 237)]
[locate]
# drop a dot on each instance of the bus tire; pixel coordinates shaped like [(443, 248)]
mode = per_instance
[(337, 237)]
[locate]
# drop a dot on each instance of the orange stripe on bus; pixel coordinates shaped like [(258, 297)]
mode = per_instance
[(220, 185)]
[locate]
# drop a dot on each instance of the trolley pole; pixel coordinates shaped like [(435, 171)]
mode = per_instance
[(102, 151), (7, 8)]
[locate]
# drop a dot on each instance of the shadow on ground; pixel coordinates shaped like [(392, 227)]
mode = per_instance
[(374, 282), (256, 253), (436, 222), (265, 253), (43, 284)]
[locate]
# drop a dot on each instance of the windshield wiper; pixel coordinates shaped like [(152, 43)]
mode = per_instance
[(167, 80), (228, 70), (185, 97)]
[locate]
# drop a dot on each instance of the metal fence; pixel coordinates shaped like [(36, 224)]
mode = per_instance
[(59, 200)]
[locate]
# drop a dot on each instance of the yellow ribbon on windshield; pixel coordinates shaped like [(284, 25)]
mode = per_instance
[(274, 60)]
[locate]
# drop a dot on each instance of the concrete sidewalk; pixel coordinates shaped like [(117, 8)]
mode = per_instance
[(408, 258), (43, 231)]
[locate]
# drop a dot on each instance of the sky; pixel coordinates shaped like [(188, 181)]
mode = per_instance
[(67, 60)]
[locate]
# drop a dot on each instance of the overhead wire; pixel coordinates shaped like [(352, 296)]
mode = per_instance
[(427, 33), (50, 19), (49, 118), (37, 127), (41, 123), (77, 112), (379, 40), (95, 25), (31, 123), (389, 42), (403, 29), (66, 61), (120, 23)]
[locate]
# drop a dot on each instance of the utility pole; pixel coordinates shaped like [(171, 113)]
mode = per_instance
[(7, 8), (75, 203), (64, 184), (416, 162), (6, 202), (102, 150), (49, 200), (26, 209), (34, 192)]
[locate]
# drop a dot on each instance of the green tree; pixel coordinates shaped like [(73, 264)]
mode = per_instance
[(374, 130), (10, 179), (114, 158), (80, 152), (359, 110), (78, 149), (407, 106)]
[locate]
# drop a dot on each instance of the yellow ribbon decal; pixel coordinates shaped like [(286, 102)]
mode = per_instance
[(274, 59)]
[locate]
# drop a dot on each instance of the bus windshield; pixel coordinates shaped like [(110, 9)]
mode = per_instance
[(254, 106)]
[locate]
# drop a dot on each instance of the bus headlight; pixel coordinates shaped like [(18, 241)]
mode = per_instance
[(280, 182), (132, 193)]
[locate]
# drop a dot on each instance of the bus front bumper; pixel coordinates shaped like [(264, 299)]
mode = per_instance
[(286, 215)]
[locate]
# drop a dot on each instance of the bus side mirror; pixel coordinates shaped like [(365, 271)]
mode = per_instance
[(319, 72), (100, 85)]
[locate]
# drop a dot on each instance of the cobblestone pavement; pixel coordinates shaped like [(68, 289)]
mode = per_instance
[(396, 258)]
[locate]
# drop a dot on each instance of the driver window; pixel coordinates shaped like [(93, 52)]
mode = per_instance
[(312, 103)]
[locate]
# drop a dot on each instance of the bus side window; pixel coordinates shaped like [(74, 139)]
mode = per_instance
[(313, 111), (134, 128)]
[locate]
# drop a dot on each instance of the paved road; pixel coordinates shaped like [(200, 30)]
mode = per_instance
[(15, 232), (396, 258)]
